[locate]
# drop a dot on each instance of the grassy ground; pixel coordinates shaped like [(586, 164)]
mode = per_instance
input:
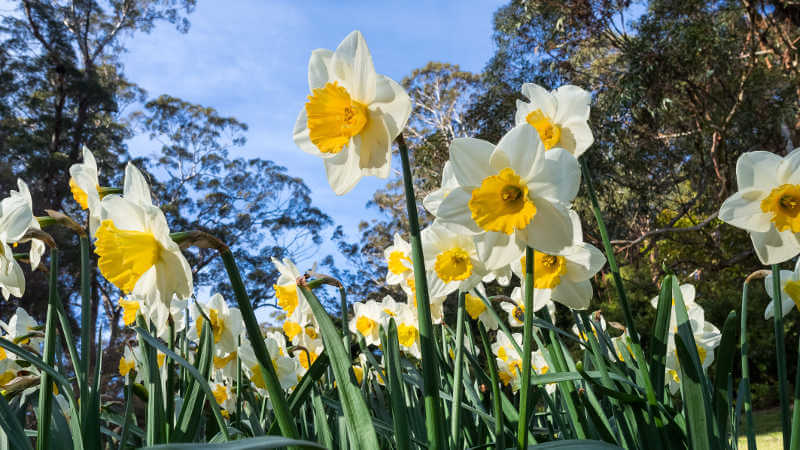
[(768, 430)]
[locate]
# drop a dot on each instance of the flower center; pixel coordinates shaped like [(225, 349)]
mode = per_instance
[(220, 394), (475, 306), (129, 310), (397, 262), (549, 132), (125, 366), (365, 325), (287, 297), (784, 204), (257, 378), (407, 335), (547, 270), (304, 358), (221, 362), (78, 194), (453, 265), (333, 117), (125, 255), (389, 312), (519, 312), (501, 203)]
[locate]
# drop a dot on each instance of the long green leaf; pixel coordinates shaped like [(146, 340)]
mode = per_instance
[(191, 410), (748, 408), (496, 405), (256, 443), (658, 344), (304, 388), (192, 371), (396, 391), (725, 357), (355, 410), (46, 384), (780, 354), (11, 427), (583, 444)]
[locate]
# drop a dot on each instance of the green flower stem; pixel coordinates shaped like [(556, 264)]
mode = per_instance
[(126, 421), (276, 394), (527, 333), (795, 439), (86, 305), (609, 250), (497, 406), (46, 382), (780, 351), (345, 327), (430, 370), (748, 408), (455, 416)]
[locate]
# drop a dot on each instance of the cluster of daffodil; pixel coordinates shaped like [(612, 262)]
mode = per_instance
[(503, 216)]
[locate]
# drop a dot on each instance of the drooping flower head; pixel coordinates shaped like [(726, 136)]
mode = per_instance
[(511, 196), (352, 115), (560, 117), (136, 252), (16, 216), (767, 204), (85, 184)]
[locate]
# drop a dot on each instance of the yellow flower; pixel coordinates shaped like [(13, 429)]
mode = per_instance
[(547, 270), (126, 366), (365, 325), (501, 203), (287, 297), (784, 204), (220, 394), (125, 255), (78, 194), (333, 117), (474, 305), (221, 362), (397, 262), (549, 132), (453, 265), (291, 329), (129, 310), (407, 335)]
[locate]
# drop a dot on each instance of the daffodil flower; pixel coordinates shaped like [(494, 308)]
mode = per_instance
[(790, 291), (136, 252), (560, 117), (477, 310), (16, 215), (512, 196), (436, 302), (706, 336), (224, 396), (291, 300), (366, 321), (516, 310), (767, 204), (564, 278), (434, 199), (352, 115), (286, 368), (408, 332), (226, 323), (599, 321), (23, 330), (85, 184), (454, 259), (398, 261)]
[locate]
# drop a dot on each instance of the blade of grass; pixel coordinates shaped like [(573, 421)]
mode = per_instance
[(496, 404), (527, 341), (395, 385), (455, 415), (433, 423), (724, 366), (46, 383), (354, 408)]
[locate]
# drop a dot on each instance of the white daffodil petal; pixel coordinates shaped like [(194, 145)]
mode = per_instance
[(540, 99), (470, 160), (787, 304), (455, 209), (757, 169), (136, 188), (557, 178), (583, 261), (375, 147), (125, 214), (520, 149), (573, 295), (393, 101), (785, 275), (352, 62), (302, 138), (498, 249), (318, 68), (550, 231), (343, 171), (773, 247), (576, 137), (743, 210)]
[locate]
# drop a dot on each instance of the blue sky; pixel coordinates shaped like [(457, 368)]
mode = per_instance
[(248, 59)]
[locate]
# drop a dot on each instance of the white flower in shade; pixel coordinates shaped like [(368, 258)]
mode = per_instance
[(22, 329), (226, 324), (225, 397), (688, 294), (454, 259), (408, 332), (622, 346), (434, 199), (311, 347), (398, 261), (767, 204), (156, 313), (501, 275), (129, 360), (477, 310), (352, 115), (85, 185), (516, 310), (565, 278), (436, 303), (366, 321), (512, 196), (560, 117), (598, 321), (286, 368), (291, 300), (504, 349), (790, 291), (136, 252), (706, 336), (16, 215)]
